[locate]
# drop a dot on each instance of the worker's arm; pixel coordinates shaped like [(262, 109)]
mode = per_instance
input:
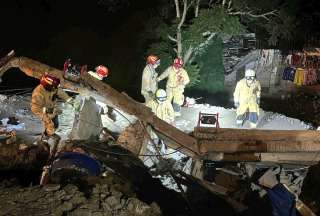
[(164, 75), (236, 95), (258, 92), (146, 80), (186, 78), (64, 96)]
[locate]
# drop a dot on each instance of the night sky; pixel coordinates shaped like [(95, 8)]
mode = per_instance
[(53, 30), (85, 31)]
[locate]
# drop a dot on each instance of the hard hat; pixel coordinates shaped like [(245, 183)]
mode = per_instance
[(152, 59), (161, 95), (102, 71), (250, 73), (49, 82), (178, 62)]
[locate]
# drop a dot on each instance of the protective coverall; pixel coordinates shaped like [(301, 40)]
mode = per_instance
[(177, 80), (43, 105), (246, 98), (163, 110), (149, 83)]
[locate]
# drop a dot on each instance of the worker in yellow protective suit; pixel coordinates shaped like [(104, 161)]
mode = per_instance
[(177, 80), (149, 83), (162, 107), (247, 99), (43, 104)]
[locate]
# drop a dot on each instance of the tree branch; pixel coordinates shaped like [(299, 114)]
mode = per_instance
[(250, 13), (172, 38), (178, 14)]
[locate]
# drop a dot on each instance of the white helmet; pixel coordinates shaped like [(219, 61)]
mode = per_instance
[(250, 73), (161, 95)]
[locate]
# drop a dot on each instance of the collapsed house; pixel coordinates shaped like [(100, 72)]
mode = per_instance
[(214, 144)]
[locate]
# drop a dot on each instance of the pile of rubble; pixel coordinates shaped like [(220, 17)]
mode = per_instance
[(105, 198)]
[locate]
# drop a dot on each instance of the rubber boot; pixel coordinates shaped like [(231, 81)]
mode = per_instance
[(253, 125)]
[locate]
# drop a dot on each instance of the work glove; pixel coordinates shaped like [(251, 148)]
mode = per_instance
[(57, 111), (236, 104), (150, 93), (71, 101)]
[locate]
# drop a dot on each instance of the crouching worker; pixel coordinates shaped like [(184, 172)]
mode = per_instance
[(43, 104), (162, 107), (247, 99)]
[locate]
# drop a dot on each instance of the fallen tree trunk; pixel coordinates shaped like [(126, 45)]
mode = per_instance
[(123, 102)]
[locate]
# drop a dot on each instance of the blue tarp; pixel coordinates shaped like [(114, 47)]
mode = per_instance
[(282, 201)]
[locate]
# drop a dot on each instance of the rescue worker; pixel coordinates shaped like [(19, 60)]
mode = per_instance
[(177, 80), (43, 104), (162, 107), (247, 99), (149, 83)]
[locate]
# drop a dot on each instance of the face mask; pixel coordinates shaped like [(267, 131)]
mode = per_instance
[(161, 99)]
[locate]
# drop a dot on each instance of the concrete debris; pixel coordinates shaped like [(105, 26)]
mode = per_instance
[(70, 200)]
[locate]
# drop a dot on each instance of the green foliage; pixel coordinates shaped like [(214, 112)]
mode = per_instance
[(211, 67), (212, 21)]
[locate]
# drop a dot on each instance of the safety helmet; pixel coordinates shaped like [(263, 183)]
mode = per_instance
[(102, 71), (250, 73), (161, 95), (153, 59), (49, 82), (178, 62)]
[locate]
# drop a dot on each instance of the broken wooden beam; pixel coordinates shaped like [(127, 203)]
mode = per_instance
[(259, 141)]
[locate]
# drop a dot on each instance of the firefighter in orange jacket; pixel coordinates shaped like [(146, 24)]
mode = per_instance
[(43, 103)]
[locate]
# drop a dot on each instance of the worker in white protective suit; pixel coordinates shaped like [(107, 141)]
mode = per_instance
[(149, 83), (162, 107), (247, 99), (177, 80)]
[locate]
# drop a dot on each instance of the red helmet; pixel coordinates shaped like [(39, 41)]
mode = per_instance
[(102, 71), (152, 59), (49, 82), (178, 62)]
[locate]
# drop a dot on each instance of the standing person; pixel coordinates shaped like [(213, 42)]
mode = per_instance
[(247, 99), (43, 104), (149, 83), (177, 80)]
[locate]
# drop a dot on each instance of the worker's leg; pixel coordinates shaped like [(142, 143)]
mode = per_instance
[(169, 94), (253, 119), (178, 99), (147, 98), (240, 120)]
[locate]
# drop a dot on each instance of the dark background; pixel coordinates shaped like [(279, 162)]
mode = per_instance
[(52, 30)]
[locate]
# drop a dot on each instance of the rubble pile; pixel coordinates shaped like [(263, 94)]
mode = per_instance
[(303, 106), (105, 198)]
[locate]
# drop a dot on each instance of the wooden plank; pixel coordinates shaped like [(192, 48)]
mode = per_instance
[(235, 140)]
